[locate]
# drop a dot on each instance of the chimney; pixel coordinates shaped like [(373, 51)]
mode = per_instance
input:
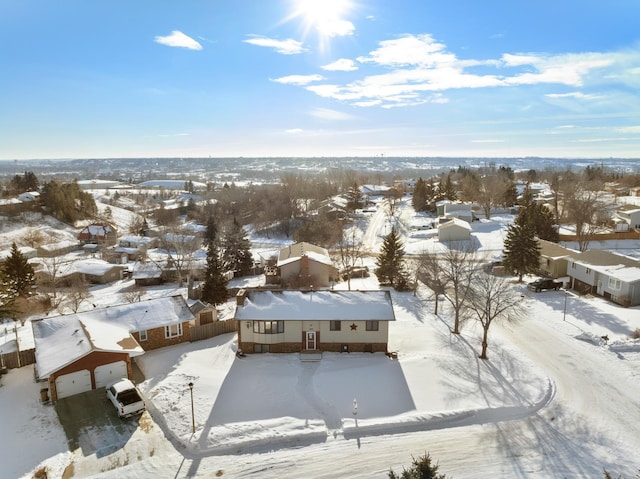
[(240, 296)]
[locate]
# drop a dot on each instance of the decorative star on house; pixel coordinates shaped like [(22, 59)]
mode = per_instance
[(354, 326)]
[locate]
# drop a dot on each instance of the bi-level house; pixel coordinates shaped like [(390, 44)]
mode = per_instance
[(613, 276)]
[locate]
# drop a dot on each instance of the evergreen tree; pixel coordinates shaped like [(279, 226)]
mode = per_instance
[(419, 199), (236, 253), (354, 196), (390, 262), (521, 250), (421, 468), (448, 191), (16, 274), (214, 290), (540, 218)]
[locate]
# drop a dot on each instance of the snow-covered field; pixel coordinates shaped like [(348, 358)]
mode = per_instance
[(553, 400)]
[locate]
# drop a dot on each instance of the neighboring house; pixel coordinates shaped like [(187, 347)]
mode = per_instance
[(83, 351), (129, 248), (29, 196), (67, 271), (449, 209), (57, 249), (313, 321), (554, 259), (98, 233), (147, 273), (454, 230), (204, 313), (606, 274), (630, 215), (304, 264)]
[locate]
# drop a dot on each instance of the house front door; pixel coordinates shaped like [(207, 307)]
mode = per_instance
[(599, 288), (311, 340)]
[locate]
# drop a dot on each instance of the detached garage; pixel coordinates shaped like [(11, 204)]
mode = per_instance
[(76, 356)]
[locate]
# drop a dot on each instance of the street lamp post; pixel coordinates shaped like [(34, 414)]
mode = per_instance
[(193, 417)]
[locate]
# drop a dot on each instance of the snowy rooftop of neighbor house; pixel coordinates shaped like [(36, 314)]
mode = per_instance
[(171, 184), (134, 239), (97, 229), (294, 252), (61, 340), (456, 222), (321, 305)]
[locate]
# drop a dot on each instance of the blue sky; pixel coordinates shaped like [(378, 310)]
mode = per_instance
[(93, 79)]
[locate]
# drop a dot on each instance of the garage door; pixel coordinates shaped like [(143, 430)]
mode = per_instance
[(73, 383), (110, 372)]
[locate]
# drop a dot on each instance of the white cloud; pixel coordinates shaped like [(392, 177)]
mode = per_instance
[(630, 129), (298, 79), (416, 69), (294, 131), (335, 28), (328, 114), (179, 40), (487, 141), (286, 47), (343, 65), (577, 95)]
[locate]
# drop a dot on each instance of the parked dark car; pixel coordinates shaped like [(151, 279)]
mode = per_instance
[(544, 283)]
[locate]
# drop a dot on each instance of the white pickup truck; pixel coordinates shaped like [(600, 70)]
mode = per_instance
[(125, 397)]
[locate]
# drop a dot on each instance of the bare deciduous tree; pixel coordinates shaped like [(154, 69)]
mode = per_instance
[(492, 298), (429, 272), (349, 252), (458, 268)]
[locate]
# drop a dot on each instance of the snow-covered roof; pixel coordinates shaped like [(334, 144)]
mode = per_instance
[(322, 305), (171, 184), (294, 252), (61, 340), (456, 222), (146, 270)]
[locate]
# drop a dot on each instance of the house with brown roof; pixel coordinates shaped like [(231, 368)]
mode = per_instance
[(554, 259), (304, 265)]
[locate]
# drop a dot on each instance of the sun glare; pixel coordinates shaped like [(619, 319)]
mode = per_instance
[(324, 16)]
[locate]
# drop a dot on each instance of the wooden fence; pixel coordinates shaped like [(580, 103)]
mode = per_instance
[(10, 360), (206, 331), (623, 235)]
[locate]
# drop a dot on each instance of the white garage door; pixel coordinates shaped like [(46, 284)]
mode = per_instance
[(110, 372), (73, 383)]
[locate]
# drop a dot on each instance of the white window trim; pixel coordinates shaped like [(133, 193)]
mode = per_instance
[(168, 334), (143, 335)]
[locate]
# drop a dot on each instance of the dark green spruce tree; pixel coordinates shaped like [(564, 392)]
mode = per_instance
[(214, 290), (16, 274), (236, 253), (541, 219), (521, 250), (390, 262), (419, 199), (421, 468)]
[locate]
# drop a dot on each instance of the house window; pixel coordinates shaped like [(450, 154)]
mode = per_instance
[(615, 284), (260, 348), (335, 325), (143, 335), (173, 331), (588, 271), (573, 266), (372, 325), (268, 327)]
